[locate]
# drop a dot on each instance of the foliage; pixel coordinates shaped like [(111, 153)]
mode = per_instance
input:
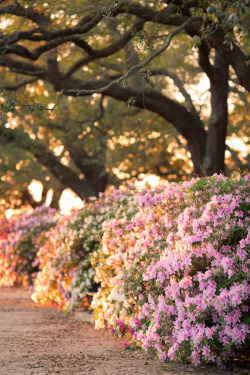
[(231, 14), (13, 103)]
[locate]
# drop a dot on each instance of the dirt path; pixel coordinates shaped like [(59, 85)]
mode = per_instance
[(44, 341)]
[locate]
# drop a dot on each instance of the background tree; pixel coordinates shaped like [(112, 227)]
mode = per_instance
[(67, 143), (91, 47)]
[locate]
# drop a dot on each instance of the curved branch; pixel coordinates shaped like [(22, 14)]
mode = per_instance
[(236, 159), (113, 48), (77, 65), (135, 68), (22, 67), (43, 22), (179, 84), (234, 56), (160, 17), (204, 61), (104, 52), (19, 85), (91, 20), (30, 13), (232, 53), (110, 65)]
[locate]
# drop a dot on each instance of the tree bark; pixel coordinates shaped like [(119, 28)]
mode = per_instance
[(93, 167), (57, 193), (216, 137)]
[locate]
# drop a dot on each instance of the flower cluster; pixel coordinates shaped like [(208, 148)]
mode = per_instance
[(67, 273), (46, 285), (179, 271), (19, 243)]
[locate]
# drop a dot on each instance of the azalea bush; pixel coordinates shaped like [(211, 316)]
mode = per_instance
[(70, 253), (19, 245), (176, 276), (112, 257), (63, 261)]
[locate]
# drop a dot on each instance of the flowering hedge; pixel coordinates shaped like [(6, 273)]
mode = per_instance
[(66, 274), (172, 265), (179, 271), (18, 245)]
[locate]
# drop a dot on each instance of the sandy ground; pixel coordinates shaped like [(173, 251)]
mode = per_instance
[(43, 340)]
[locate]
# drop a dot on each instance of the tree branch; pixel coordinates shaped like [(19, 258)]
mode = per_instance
[(19, 85), (110, 65), (104, 52), (22, 67), (135, 68), (204, 61), (30, 13), (179, 84), (8, 39), (233, 55), (236, 159), (43, 21), (160, 17)]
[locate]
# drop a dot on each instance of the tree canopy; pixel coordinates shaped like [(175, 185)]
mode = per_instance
[(87, 58)]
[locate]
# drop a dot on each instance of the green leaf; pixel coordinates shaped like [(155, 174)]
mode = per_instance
[(211, 9)]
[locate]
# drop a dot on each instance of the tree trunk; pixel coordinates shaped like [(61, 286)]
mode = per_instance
[(215, 149), (57, 193), (93, 167)]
